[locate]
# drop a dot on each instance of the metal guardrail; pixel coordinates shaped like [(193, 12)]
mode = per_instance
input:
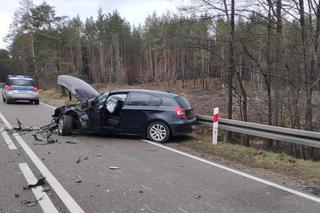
[(295, 136)]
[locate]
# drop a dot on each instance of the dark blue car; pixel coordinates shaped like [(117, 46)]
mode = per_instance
[(153, 114)]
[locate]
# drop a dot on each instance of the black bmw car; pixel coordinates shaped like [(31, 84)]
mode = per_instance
[(153, 114)]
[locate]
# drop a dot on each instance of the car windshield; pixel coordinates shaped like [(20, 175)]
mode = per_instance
[(101, 99), (21, 82)]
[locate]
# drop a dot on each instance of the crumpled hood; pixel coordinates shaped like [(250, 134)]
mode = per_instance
[(78, 88)]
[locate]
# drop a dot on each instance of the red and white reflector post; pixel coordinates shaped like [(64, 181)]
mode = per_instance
[(215, 125)]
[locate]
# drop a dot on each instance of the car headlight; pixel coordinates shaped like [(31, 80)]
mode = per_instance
[(10, 92)]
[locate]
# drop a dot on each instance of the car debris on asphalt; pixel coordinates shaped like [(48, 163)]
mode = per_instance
[(20, 128), (30, 203), (46, 190), (49, 138), (79, 159), (40, 182), (19, 124), (198, 197), (71, 142), (114, 167), (36, 136)]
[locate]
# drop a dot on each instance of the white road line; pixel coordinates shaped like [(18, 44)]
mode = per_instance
[(8, 125), (301, 194), (42, 197), (65, 197), (8, 140), (47, 105)]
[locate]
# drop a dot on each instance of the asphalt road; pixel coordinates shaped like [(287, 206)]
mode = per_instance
[(149, 179)]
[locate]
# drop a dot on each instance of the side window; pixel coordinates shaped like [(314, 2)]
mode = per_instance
[(155, 101), (139, 99)]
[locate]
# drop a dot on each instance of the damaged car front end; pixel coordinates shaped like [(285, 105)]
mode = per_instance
[(73, 117)]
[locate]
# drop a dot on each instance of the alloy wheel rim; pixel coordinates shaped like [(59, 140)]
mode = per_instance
[(158, 132)]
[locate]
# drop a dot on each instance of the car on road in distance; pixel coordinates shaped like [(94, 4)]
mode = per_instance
[(150, 114), (20, 87)]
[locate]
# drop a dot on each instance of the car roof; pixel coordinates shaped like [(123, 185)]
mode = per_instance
[(146, 91), (19, 77)]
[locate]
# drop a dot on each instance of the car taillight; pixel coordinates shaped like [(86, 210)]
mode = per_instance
[(36, 89), (181, 113), (8, 87)]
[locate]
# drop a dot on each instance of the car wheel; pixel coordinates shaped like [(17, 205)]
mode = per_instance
[(158, 132), (65, 125), (8, 101), (36, 102)]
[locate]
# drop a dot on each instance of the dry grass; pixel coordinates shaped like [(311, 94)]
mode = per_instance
[(53, 97), (50, 94)]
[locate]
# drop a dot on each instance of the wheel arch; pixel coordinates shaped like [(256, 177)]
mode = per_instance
[(72, 113), (75, 117)]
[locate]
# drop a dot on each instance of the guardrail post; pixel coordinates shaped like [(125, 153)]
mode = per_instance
[(215, 125)]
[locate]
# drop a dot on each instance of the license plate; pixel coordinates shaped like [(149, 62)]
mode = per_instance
[(20, 91)]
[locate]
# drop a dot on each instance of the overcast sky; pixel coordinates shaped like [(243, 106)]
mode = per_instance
[(135, 11)]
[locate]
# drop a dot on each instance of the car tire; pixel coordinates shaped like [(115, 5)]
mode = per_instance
[(65, 125), (36, 102), (158, 132), (9, 101)]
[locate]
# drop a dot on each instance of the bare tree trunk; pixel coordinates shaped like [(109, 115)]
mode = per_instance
[(231, 61), (269, 62), (279, 64)]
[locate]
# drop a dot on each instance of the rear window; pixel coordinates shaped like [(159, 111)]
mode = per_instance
[(21, 82), (183, 102)]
